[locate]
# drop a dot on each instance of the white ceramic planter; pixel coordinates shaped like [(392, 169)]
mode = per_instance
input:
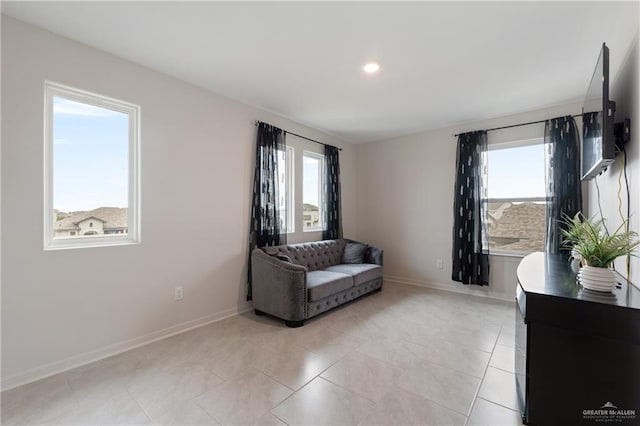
[(597, 279), (575, 254), (575, 261)]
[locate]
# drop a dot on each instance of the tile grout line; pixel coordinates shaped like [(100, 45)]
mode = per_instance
[(274, 415), (502, 369), (432, 401), (498, 404), (475, 397), (149, 418), (306, 384), (290, 396), (349, 390), (215, 419)]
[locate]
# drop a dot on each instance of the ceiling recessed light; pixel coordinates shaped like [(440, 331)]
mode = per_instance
[(371, 68)]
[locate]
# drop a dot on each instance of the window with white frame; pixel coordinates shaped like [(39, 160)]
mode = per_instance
[(285, 190), (312, 195), (301, 180), (91, 169), (516, 197)]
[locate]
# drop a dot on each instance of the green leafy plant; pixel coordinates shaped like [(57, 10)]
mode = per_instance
[(574, 228), (599, 249)]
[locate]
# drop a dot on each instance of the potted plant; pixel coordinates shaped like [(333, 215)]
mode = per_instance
[(599, 249), (573, 230)]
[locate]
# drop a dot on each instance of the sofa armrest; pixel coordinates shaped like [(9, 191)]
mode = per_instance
[(279, 287), (374, 255)]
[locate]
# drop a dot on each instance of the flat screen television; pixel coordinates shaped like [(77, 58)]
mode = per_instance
[(598, 140)]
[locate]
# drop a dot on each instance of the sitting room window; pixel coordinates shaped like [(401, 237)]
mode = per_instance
[(91, 169), (516, 210), (301, 179)]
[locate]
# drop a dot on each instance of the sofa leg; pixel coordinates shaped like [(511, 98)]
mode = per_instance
[(258, 312), (378, 289), (294, 324)]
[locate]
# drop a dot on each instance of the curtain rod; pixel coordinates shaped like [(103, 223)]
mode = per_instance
[(518, 125), (300, 136)]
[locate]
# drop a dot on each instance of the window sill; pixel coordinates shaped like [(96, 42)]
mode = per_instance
[(515, 254), (303, 231), (72, 243)]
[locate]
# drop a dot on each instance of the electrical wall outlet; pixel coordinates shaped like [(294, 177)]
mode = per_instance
[(179, 293), (439, 264)]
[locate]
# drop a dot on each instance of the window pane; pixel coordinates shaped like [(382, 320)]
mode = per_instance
[(90, 170), (516, 172), (311, 194), (514, 175)]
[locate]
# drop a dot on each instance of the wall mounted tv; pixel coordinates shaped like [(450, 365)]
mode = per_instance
[(598, 140)]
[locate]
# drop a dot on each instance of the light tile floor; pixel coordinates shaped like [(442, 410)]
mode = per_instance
[(405, 356)]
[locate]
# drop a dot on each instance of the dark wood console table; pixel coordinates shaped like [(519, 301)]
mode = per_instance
[(577, 351)]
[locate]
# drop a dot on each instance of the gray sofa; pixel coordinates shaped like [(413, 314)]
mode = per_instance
[(299, 281)]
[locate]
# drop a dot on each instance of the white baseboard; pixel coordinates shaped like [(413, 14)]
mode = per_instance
[(41, 372), (505, 297)]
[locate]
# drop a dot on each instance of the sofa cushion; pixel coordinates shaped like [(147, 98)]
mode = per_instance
[(313, 256), (361, 273), (321, 284), (353, 253)]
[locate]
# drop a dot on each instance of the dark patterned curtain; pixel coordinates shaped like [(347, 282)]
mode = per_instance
[(333, 207), (268, 222), (564, 191), (470, 246)]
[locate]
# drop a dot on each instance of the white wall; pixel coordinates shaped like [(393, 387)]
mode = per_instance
[(624, 90), (405, 186), (61, 308)]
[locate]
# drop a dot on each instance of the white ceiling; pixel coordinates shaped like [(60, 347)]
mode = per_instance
[(442, 63)]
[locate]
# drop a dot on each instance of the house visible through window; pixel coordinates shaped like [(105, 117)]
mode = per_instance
[(516, 197), (91, 185)]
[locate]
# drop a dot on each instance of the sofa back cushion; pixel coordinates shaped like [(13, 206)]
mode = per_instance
[(314, 256), (354, 252)]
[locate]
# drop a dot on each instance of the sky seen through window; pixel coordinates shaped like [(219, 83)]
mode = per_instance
[(516, 172), (90, 156)]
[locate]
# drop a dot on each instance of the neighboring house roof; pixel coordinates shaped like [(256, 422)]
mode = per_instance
[(92, 217), (112, 217), (309, 207), (496, 210), (525, 221)]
